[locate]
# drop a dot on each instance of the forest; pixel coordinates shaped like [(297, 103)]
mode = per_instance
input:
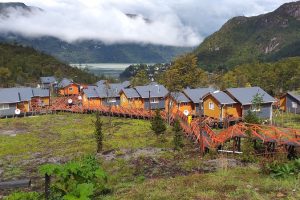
[(21, 65)]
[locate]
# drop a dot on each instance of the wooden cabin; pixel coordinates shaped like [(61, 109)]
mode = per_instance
[(177, 101), (153, 96), (20, 98), (104, 94), (67, 87), (48, 82), (219, 105), (130, 98), (244, 97), (196, 96), (290, 102), (41, 97)]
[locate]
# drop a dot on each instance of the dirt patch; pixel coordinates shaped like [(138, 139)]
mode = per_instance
[(13, 132), (152, 167), (128, 154)]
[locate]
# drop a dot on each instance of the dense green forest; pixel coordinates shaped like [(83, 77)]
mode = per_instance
[(24, 65), (264, 38), (274, 77)]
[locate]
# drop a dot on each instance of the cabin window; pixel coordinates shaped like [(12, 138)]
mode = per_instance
[(4, 106), (294, 105), (154, 100), (112, 100), (70, 89), (211, 106), (185, 104), (256, 110)]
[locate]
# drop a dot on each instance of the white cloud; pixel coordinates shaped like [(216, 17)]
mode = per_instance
[(180, 23)]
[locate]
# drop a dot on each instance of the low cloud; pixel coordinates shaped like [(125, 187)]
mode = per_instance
[(176, 23)]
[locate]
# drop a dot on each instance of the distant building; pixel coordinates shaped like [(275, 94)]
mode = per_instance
[(178, 101), (290, 102), (48, 82), (245, 96), (196, 96), (24, 99), (152, 95), (105, 94), (219, 105), (67, 87)]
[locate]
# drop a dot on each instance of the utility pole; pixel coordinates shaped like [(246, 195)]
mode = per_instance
[(149, 103), (201, 130)]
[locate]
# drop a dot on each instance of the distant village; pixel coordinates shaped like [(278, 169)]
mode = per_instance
[(233, 103)]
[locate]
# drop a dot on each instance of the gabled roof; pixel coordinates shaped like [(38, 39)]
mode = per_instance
[(101, 82), (9, 95), (294, 95), (180, 97), (126, 84), (131, 93), (222, 97), (91, 92), (245, 95), (155, 91), (15, 95), (48, 79), (65, 82), (196, 94), (39, 92)]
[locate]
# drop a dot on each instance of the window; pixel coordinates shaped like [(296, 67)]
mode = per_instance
[(211, 106), (70, 89), (154, 100), (184, 104), (294, 105), (4, 106), (112, 100)]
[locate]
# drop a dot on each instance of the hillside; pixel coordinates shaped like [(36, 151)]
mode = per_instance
[(267, 37), (24, 65), (90, 51)]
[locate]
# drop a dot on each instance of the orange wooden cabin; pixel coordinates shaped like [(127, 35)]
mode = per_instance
[(130, 98), (67, 87), (177, 101), (219, 105)]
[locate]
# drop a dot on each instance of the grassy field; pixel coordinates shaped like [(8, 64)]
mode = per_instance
[(143, 166), (284, 119)]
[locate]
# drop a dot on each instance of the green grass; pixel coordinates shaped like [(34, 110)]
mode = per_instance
[(289, 120), (167, 175)]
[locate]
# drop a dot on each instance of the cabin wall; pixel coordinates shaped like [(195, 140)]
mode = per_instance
[(233, 110), (282, 103), (175, 107), (214, 113), (106, 103), (68, 91), (264, 113), (289, 107), (10, 111), (40, 101), (159, 105)]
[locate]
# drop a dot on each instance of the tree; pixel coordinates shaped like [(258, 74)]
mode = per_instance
[(98, 132), (251, 118), (141, 78), (178, 141), (184, 72), (4, 75), (256, 102), (158, 124)]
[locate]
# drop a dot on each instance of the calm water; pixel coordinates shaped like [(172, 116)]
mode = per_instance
[(108, 69)]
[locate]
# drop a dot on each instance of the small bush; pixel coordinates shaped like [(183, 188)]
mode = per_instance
[(283, 170), (24, 196)]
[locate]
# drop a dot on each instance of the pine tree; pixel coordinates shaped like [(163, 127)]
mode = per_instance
[(178, 141), (158, 124), (98, 132)]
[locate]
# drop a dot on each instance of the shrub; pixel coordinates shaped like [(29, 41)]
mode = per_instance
[(158, 124), (76, 179), (23, 196), (178, 141), (283, 170)]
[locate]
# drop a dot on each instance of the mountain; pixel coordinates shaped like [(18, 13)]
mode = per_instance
[(267, 37), (24, 65), (89, 51)]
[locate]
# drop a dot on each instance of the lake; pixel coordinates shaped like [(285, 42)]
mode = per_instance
[(107, 69)]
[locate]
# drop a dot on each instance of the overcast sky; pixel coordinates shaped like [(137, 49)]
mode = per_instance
[(173, 22)]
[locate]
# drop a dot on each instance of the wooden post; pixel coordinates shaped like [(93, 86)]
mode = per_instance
[(47, 186)]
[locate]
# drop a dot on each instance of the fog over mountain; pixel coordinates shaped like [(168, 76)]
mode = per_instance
[(163, 22)]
